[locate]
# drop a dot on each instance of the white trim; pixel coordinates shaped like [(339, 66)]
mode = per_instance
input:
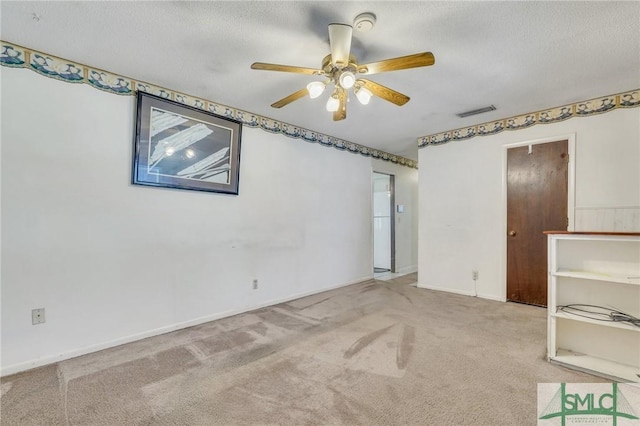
[(491, 297), (601, 207), (571, 195), (386, 276), (446, 289), (408, 270), (39, 362), (461, 292)]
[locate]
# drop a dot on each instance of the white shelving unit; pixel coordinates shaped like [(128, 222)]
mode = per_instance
[(598, 269)]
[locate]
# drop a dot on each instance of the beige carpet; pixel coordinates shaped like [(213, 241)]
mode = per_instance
[(374, 353)]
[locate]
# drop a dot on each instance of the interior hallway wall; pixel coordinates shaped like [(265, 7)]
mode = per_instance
[(112, 262), (462, 205)]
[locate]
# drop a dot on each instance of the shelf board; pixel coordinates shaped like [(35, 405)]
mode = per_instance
[(597, 366), (620, 325), (606, 234), (586, 275)]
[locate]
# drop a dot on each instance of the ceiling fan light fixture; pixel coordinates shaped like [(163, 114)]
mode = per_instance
[(340, 68), (333, 104), (364, 95), (347, 79), (315, 89)]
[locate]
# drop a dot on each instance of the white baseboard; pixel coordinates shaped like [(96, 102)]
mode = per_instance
[(491, 297), (407, 270), (462, 292), (40, 362), (446, 289)]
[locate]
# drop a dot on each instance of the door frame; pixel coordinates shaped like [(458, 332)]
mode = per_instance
[(392, 218), (571, 196)]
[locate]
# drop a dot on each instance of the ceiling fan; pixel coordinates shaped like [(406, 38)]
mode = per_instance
[(340, 69)]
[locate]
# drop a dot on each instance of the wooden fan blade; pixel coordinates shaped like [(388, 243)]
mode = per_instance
[(285, 68), (292, 97), (340, 42), (383, 92), (423, 59), (341, 113)]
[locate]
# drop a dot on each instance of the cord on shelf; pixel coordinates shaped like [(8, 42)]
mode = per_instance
[(599, 313)]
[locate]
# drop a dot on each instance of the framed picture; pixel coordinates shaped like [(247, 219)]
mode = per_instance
[(178, 146)]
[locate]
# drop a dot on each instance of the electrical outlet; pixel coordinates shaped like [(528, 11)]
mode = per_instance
[(255, 284), (37, 316), (474, 275)]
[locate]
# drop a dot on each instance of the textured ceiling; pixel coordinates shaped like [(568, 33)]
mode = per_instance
[(519, 56)]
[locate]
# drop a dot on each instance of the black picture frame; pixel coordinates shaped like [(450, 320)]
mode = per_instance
[(182, 147)]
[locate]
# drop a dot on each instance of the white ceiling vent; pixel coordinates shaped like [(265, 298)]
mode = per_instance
[(476, 111)]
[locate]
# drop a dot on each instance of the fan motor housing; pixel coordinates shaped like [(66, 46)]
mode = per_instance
[(328, 67)]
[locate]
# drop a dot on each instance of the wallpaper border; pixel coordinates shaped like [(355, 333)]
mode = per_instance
[(16, 56), (630, 99)]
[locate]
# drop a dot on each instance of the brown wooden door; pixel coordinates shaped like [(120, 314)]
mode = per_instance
[(537, 177)]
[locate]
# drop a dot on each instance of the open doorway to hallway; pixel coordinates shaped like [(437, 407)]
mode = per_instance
[(383, 224)]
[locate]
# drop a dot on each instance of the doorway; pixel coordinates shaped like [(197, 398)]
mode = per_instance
[(537, 201), (383, 223)]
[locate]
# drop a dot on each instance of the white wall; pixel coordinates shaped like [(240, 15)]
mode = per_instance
[(112, 262), (462, 226), (406, 224)]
